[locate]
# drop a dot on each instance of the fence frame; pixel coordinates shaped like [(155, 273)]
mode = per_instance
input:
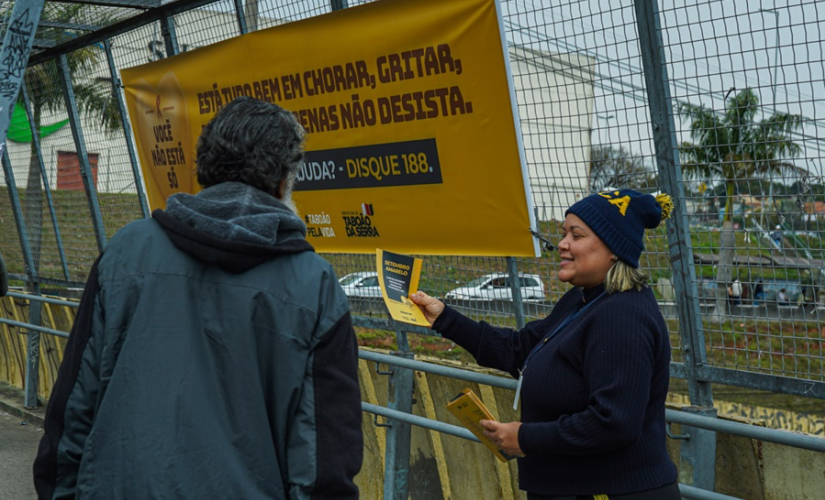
[(700, 424)]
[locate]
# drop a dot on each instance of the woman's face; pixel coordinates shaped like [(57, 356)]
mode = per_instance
[(585, 259)]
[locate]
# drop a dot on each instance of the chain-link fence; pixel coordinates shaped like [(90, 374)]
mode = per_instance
[(717, 103)]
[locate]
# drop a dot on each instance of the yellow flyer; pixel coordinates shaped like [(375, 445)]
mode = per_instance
[(469, 410), (398, 277)]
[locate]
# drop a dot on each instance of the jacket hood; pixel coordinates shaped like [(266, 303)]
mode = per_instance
[(232, 225)]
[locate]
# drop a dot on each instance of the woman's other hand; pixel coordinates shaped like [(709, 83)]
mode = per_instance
[(432, 308), (505, 436)]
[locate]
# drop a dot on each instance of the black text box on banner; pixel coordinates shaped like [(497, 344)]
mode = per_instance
[(406, 163)]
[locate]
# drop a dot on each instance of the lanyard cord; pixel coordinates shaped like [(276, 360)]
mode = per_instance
[(558, 329)]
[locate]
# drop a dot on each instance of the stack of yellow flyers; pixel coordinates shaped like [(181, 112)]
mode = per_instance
[(469, 409)]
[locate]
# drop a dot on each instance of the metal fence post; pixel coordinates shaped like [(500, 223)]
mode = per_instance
[(82, 156), (239, 15), (515, 287), (170, 35), (33, 340), (400, 398), (45, 177), (127, 129), (700, 453)]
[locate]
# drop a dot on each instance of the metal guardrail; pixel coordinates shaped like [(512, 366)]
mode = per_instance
[(426, 423), (781, 437), (37, 328), (786, 438), (48, 300), (29, 326), (673, 416), (777, 436)]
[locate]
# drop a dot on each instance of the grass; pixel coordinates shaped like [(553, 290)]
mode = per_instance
[(75, 227)]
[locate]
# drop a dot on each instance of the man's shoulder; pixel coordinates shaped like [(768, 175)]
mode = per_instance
[(134, 228)]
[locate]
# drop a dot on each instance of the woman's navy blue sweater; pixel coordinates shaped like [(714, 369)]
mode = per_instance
[(593, 397)]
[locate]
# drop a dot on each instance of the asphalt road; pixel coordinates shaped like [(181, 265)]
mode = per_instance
[(18, 446)]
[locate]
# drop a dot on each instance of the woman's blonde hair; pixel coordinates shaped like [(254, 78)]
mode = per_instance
[(622, 277)]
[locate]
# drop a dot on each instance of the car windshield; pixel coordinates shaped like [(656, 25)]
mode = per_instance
[(479, 281), (349, 279)]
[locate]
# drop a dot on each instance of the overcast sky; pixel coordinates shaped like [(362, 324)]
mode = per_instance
[(711, 47)]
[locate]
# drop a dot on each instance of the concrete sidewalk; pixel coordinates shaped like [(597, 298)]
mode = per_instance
[(20, 433), (18, 447)]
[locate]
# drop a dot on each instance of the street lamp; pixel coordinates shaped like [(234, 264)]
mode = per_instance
[(776, 53)]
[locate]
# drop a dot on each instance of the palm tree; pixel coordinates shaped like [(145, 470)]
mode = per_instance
[(616, 167), (733, 146), (94, 98)]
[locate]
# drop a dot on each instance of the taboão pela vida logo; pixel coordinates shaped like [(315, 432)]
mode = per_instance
[(360, 224), (318, 225)]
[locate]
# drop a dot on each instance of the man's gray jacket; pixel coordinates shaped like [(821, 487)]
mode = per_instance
[(213, 356)]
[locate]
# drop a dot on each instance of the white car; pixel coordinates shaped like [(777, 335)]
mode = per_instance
[(496, 286), (363, 284)]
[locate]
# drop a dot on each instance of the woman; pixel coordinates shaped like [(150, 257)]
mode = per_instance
[(593, 376)]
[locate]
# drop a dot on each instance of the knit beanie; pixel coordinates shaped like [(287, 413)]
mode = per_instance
[(619, 219)]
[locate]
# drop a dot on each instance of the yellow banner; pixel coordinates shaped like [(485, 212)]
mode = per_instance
[(412, 133)]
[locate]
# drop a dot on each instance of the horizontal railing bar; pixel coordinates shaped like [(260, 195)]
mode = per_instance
[(700, 494), (715, 424), (762, 381), (470, 376), (424, 422), (28, 326), (40, 298), (47, 281), (454, 430), (777, 436)]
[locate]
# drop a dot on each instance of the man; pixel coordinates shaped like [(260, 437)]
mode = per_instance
[(735, 292), (776, 236), (213, 355)]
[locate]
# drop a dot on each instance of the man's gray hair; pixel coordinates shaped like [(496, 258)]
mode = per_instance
[(253, 142)]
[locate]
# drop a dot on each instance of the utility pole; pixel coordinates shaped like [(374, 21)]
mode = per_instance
[(773, 85)]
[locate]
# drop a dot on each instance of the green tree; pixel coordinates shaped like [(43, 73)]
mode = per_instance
[(94, 96), (617, 168), (734, 146)]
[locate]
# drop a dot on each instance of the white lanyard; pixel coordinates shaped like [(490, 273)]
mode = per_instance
[(569, 319)]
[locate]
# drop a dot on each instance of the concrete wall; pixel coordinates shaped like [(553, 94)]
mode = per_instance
[(450, 468)]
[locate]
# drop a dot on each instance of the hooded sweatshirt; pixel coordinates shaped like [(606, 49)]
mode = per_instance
[(213, 356)]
